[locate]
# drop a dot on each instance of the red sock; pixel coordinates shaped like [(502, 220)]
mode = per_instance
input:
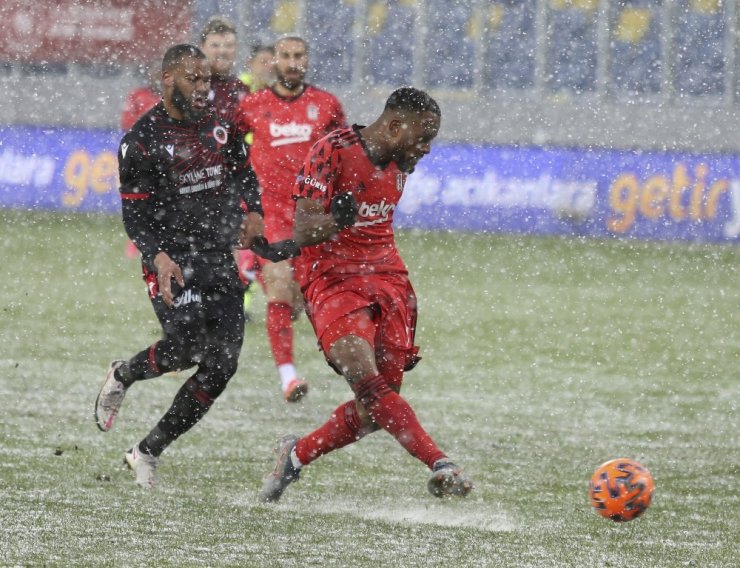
[(390, 411), (280, 331), (342, 429)]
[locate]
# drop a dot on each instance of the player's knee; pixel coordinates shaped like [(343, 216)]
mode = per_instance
[(354, 357), (210, 387), (179, 353), (220, 372)]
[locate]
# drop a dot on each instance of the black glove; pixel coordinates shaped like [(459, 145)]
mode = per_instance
[(344, 209), (275, 252)]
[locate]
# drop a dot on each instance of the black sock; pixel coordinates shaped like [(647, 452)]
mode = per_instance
[(135, 369), (187, 409)]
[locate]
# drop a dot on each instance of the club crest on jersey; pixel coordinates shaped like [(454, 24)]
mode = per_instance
[(400, 181), (170, 149), (312, 112), (124, 149), (220, 134)]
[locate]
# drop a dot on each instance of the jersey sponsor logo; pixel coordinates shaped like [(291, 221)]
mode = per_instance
[(187, 297), (170, 149), (291, 133), (199, 180), (124, 149), (381, 211)]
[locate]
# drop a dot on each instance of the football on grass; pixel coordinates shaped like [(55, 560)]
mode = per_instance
[(621, 489)]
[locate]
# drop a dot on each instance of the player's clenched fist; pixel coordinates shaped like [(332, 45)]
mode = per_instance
[(252, 226)]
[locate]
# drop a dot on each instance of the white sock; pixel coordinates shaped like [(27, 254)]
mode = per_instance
[(287, 374), (294, 459)]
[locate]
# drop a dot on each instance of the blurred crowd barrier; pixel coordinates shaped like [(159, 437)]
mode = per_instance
[(576, 192), (651, 74)]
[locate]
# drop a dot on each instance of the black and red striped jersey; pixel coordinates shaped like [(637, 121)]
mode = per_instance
[(339, 163), (182, 182)]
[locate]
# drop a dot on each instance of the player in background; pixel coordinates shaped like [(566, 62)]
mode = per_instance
[(137, 102), (183, 177), (144, 97), (260, 74), (285, 122), (218, 42), (356, 286), (260, 71)]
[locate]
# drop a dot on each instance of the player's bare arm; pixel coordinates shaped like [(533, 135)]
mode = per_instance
[(167, 269), (313, 225), (252, 226)]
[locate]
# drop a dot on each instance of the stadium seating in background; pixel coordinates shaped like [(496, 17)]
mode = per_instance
[(269, 19), (509, 44), (328, 25), (699, 42), (635, 50), (390, 36), (450, 44), (572, 45)]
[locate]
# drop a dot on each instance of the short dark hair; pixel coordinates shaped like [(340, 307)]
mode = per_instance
[(291, 38), (216, 25), (413, 100), (260, 47), (175, 54)]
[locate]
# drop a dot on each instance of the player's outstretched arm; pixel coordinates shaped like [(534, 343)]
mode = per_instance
[(277, 251)]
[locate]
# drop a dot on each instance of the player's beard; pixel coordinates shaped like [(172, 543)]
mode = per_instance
[(291, 84), (184, 105), (405, 166)]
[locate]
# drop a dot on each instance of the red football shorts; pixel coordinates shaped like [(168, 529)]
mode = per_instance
[(379, 308)]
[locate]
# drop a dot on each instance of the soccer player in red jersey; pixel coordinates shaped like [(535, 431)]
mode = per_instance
[(356, 286), (285, 121), (137, 102), (142, 98)]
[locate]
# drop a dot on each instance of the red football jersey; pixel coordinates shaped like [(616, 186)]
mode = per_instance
[(336, 164), (284, 129), (137, 103)]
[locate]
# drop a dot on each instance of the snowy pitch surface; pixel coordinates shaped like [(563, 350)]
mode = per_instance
[(543, 358)]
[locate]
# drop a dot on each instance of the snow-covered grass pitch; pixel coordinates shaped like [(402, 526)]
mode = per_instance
[(543, 358)]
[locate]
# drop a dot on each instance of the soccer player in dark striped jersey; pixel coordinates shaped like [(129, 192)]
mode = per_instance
[(357, 290), (184, 177), (218, 42)]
